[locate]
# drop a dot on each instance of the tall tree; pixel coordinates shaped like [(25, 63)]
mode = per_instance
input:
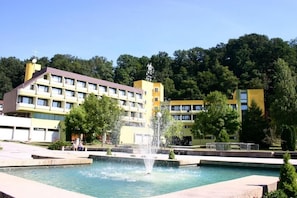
[(103, 114), (254, 127), (14, 69), (128, 69), (217, 118), (75, 123), (101, 117), (284, 106), (101, 68)]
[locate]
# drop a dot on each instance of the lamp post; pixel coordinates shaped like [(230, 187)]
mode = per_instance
[(159, 115)]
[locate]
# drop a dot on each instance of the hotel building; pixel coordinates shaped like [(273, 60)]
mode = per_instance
[(48, 94)]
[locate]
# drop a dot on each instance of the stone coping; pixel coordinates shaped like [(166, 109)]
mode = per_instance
[(12, 186), (44, 162), (246, 187)]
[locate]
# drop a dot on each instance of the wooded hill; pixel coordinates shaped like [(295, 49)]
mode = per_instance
[(245, 63)]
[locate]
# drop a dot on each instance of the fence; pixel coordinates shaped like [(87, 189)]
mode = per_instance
[(232, 145)]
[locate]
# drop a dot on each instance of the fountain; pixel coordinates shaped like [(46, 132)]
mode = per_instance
[(148, 154), (150, 148)]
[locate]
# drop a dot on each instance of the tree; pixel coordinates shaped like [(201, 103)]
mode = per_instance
[(254, 126), (169, 127), (216, 117), (288, 177), (94, 117), (5, 84), (102, 114), (284, 106), (128, 70), (101, 68), (75, 123), (288, 137)]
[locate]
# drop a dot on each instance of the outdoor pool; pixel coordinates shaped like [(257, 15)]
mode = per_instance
[(111, 179)]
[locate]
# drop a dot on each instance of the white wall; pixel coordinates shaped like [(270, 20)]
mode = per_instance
[(23, 129)]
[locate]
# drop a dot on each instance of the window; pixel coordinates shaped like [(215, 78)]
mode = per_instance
[(81, 84), (175, 108), (56, 91), (132, 104), (138, 96), (156, 89), (68, 105), (45, 77), (122, 92), (123, 102), (32, 87), (186, 107), (25, 100), (244, 107), (197, 107), (69, 81), (133, 114), (69, 93), (112, 90), (102, 88), (156, 99), (186, 117), (176, 117), (243, 97), (92, 86), (56, 104), (42, 102), (57, 79), (81, 95), (131, 94), (140, 105), (42, 88)]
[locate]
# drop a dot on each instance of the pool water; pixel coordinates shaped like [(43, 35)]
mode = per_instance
[(118, 180)]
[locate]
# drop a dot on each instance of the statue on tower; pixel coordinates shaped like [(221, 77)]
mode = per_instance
[(149, 72)]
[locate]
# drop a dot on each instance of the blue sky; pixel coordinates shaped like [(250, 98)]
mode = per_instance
[(110, 28)]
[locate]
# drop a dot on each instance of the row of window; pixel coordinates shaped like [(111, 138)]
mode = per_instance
[(192, 107), (186, 107), (184, 117), (71, 93), (68, 105), (91, 86), (133, 114), (44, 102)]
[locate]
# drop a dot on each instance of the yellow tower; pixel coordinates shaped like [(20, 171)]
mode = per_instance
[(31, 67)]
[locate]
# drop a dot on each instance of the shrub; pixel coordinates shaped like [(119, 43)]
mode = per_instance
[(223, 136), (288, 136), (276, 194), (57, 145), (171, 154), (288, 177), (108, 151)]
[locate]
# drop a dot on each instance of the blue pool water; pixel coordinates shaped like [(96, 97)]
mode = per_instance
[(118, 180)]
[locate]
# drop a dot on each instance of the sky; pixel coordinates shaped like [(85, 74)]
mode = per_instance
[(110, 28)]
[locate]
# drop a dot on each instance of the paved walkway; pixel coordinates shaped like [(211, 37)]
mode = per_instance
[(19, 151)]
